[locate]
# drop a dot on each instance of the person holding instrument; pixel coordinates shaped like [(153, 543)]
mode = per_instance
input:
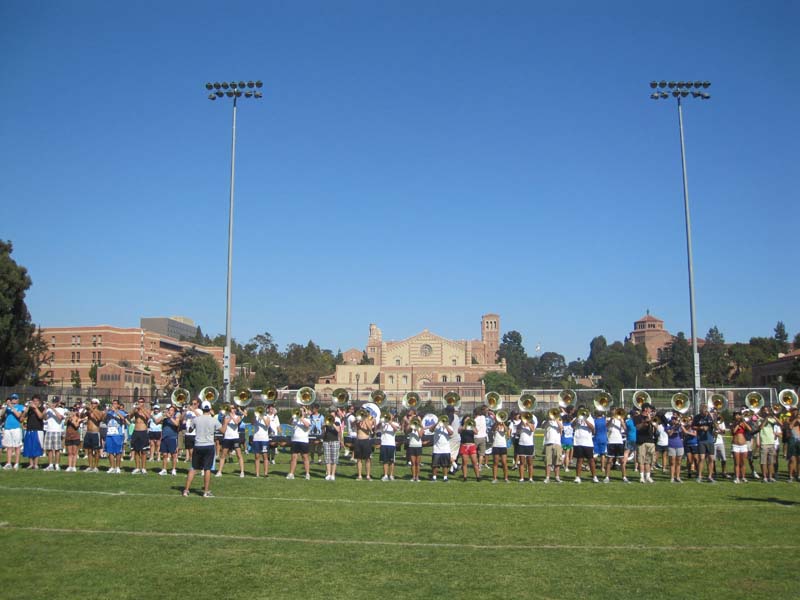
[(442, 432), (413, 429), (261, 422), (203, 456), (739, 430), (140, 442), (116, 420), (302, 427), (499, 449), (703, 424), (34, 432), (362, 448), (331, 434), (469, 449), (646, 443), (91, 440)]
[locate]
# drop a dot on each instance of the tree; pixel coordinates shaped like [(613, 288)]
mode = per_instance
[(76, 379), (781, 337), (16, 329), (42, 359), (93, 373), (793, 376), (513, 351), (552, 364), (678, 358), (714, 361), (365, 360), (619, 365), (796, 342), (597, 346), (194, 370), (502, 383)]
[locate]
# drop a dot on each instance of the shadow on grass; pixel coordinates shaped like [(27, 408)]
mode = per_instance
[(770, 499)]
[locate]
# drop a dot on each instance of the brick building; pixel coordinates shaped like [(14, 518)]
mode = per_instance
[(649, 330)]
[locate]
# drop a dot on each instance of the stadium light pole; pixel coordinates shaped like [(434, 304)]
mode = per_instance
[(234, 90), (680, 90)]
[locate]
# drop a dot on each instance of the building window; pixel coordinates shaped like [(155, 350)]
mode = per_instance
[(77, 357), (99, 357), (458, 378), (94, 357), (72, 358), (454, 362), (444, 378), (100, 340), (405, 379), (397, 362), (391, 379), (53, 341), (79, 340)]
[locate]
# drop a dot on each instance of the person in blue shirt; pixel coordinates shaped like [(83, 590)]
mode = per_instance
[(600, 439), (567, 439), (12, 432), (116, 421), (170, 425), (630, 437), (315, 435)]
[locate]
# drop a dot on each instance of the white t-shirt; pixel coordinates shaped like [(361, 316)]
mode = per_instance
[(499, 439), (388, 431), (526, 432), (232, 432), (718, 439), (52, 423), (480, 426), (188, 420), (663, 438), (351, 425), (441, 440), (583, 435), (301, 428), (615, 429), (274, 424), (414, 438), (551, 433), (261, 429)]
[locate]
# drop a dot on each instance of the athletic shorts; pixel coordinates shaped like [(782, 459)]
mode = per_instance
[(52, 440), (601, 448), (499, 451), (793, 449), (91, 441), (583, 452), (616, 450), (441, 459), (661, 448), (297, 447), (230, 444), (114, 444), (414, 451), (705, 449), (330, 451), (739, 448), (260, 447), (12, 438), (154, 436), (68, 443), (168, 446), (362, 449), (387, 454), (630, 446), (480, 445), (646, 454), (139, 441), (552, 455), (188, 441), (567, 446), (676, 452), (524, 451), (203, 458), (468, 450)]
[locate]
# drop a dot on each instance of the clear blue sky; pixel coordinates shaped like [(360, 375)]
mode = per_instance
[(412, 164)]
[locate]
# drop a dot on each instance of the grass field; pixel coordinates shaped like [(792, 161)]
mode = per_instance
[(82, 535)]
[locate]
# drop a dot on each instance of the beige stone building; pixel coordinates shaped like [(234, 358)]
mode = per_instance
[(425, 361)]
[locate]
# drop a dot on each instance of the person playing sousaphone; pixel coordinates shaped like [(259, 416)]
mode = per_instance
[(300, 448)]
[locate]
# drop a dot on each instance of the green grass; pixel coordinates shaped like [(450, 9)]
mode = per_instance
[(68, 535)]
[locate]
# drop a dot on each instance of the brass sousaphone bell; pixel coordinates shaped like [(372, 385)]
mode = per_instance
[(242, 398), (340, 397), (788, 399), (640, 398), (209, 394), (378, 397), (680, 402), (754, 401), (717, 402), (526, 402), (603, 401), (452, 399), (305, 396), (180, 396), (493, 401), (566, 398), (411, 400)]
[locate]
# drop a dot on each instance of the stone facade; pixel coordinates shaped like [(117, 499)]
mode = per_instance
[(650, 331)]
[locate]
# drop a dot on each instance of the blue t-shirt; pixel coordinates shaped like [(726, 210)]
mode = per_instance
[(600, 431), (12, 422), (567, 432), (168, 429), (115, 424), (630, 429), (708, 421)]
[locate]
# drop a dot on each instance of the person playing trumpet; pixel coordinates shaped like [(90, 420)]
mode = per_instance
[(34, 432), (91, 440), (116, 420), (230, 441), (616, 445), (168, 447), (500, 449), (703, 424), (442, 432), (646, 442), (525, 449), (300, 448), (584, 443)]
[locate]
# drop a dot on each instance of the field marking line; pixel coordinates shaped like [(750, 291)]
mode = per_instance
[(5, 526), (360, 502)]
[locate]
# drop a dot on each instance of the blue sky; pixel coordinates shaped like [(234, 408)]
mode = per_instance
[(411, 164)]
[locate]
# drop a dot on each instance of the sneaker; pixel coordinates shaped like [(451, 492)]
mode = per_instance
[(679, 480), (162, 472), (369, 478), (241, 475), (272, 461), (625, 480), (736, 480), (8, 467), (208, 494), (649, 479), (385, 478), (566, 470), (444, 478), (327, 477), (641, 479), (699, 480), (546, 480), (58, 467), (173, 472), (577, 480), (530, 480), (49, 468), (558, 480), (290, 476), (306, 477), (136, 471), (433, 478), (756, 475), (494, 480), (595, 480), (391, 477), (219, 474), (333, 477), (606, 480), (144, 471), (185, 493), (506, 480), (712, 480), (744, 480), (359, 478), (522, 480)]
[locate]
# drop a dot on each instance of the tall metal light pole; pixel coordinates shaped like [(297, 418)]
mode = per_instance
[(679, 90), (235, 90)]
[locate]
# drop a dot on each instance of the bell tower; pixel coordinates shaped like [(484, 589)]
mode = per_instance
[(490, 336)]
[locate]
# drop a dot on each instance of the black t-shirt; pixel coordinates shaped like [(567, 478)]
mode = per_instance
[(34, 422), (329, 433), (645, 433), (708, 421), (467, 436)]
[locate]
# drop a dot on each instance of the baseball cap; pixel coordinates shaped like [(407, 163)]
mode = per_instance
[(206, 405), (95, 401), (156, 407), (14, 396)]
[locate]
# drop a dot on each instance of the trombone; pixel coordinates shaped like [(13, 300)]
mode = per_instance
[(452, 399), (493, 401), (526, 402)]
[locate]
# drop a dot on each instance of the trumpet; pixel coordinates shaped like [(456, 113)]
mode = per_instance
[(209, 394), (386, 417), (378, 397), (566, 398), (362, 414), (340, 397), (179, 397), (224, 408), (469, 423), (603, 401), (297, 413), (583, 414), (259, 411), (754, 401), (717, 402), (305, 396), (788, 399), (242, 398), (641, 398), (526, 402), (411, 400), (493, 401), (452, 399), (680, 402), (329, 420), (619, 413)]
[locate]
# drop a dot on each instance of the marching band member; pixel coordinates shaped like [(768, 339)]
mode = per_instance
[(616, 446), (116, 420), (455, 439), (646, 443), (203, 456), (525, 449), (362, 450), (188, 424), (567, 437), (230, 441), (750, 436), (331, 436), (350, 442), (315, 435), (170, 425), (662, 443), (468, 448), (513, 431), (441, 448), (140, 440), (675, 450), (739, 446), (413, 443), (274, 429), (690, 446), (154, 432), (793, 447), (54, 419), (302, 427), (703, 424), (72, 438), (499, 449), (261, 426), (553, 429), (630, 438), (601, 439), (719, 445), (34, 432), (12, 431), (583, 426), (479, 416), (91, 440), (388, 430), (766, 441)]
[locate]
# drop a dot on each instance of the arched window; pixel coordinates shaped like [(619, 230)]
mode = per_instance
[(444, 378)]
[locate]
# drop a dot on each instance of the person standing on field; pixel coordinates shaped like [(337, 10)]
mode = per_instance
[(203, 456)]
